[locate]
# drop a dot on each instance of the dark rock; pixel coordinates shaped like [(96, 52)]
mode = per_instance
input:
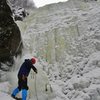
[(10, 37), (4, 7)]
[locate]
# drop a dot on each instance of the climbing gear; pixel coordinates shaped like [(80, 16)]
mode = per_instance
[(24, 94), (22, 83)]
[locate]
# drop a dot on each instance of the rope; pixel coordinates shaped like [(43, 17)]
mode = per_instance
[(36, 88), (18, 47)]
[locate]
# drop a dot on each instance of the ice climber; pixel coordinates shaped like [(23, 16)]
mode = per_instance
[(22, 77)]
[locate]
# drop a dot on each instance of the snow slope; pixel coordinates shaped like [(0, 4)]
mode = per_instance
[(65, 37)]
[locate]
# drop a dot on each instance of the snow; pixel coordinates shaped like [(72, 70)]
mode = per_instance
[(4, 96), (4, 91), (66, 42)]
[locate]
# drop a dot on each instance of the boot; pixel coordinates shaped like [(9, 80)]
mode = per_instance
[(15, 92)]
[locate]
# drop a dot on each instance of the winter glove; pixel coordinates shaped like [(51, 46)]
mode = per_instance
[(36, 71)]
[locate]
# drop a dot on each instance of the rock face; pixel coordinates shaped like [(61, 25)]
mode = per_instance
[(10, 37), (20, 8), (19, 13)]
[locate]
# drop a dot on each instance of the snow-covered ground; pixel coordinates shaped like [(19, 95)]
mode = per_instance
[(65, 37)]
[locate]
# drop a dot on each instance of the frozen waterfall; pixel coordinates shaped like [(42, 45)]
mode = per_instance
[(65, 37)]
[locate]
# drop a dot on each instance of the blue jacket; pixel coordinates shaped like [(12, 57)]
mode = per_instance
[(26, 67)]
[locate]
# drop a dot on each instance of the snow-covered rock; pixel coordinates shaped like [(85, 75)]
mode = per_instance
[(19, 13)]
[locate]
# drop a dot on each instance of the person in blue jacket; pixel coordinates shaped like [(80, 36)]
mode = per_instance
[(22, 77)]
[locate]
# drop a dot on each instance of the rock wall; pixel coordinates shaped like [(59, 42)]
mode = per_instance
[(10, 37)]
